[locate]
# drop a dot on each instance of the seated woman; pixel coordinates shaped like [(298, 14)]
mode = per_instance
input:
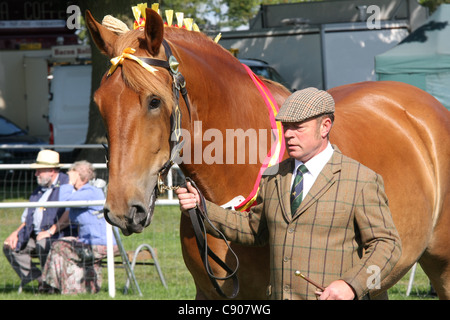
[(73, 264)]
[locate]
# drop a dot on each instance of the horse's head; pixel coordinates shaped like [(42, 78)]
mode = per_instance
[(136, 105)]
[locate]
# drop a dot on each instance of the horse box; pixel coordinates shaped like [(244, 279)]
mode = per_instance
[(70, 95)]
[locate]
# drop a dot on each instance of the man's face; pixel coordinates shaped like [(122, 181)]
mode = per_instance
[(45, 176), (304, 139)]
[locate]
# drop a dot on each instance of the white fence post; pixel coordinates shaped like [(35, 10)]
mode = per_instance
[(110, 261)]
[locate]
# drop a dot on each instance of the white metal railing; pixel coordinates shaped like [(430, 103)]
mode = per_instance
[(169, 201), (52, 204), (26, 166)]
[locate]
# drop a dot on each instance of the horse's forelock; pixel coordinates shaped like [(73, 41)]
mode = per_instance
[(138, 78)]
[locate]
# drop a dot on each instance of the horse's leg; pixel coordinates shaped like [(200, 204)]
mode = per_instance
[(193, 261), (436, 259), (435, 270), (253, 266), (200, 295), (254, 271)]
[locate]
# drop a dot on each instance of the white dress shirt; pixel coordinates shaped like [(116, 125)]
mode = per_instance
[(314, 166)]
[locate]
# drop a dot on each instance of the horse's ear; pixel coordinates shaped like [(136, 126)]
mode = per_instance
[(103, 38), (154, 31)]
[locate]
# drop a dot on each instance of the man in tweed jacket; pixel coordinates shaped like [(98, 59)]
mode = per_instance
[(342, 235)]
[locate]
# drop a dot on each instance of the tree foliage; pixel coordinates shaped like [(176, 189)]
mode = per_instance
[(432, 5), (240, 12)]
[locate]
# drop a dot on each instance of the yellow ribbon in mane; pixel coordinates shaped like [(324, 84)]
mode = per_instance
[(128, 54)]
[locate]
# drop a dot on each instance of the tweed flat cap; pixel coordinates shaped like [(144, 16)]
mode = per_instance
[(305, 104)]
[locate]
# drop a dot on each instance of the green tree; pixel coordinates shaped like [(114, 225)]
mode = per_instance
[(240, 12), (432, 5)]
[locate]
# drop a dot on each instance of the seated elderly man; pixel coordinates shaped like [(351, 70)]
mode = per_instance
[(33, 237)]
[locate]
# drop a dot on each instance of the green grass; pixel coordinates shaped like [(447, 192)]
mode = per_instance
[(162, 235)]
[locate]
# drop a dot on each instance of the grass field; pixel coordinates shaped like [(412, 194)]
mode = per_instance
[(162, 235)]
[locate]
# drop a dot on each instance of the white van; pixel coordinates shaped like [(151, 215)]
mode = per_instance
[(70, 95)]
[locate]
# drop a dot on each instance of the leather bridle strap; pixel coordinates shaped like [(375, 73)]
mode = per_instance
[(171, 64), (198, 215), (178, 86)]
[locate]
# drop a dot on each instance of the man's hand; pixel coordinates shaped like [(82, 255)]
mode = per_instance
[(74, 176), (337, 290), (42, 235), (189, 197), (12, 240)]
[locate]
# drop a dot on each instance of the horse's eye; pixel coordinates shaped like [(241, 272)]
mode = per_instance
[(154, 103)]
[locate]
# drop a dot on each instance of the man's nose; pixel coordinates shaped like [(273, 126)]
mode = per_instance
[(287, 133)]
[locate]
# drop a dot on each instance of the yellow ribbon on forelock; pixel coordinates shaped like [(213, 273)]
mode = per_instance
[(128, 54)]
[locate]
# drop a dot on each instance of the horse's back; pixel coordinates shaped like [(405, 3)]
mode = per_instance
[(402, 133), (393, 118)]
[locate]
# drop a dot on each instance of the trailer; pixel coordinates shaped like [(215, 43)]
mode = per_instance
[(34, 41), (47, 92), (325, 44)]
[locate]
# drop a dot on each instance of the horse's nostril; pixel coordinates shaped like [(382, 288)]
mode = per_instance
[(138, 215), (105, 214)]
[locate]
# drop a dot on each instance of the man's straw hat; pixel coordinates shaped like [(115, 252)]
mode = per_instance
[(46, 159)]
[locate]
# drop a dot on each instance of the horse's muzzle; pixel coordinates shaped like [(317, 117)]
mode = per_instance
[(138, 217)]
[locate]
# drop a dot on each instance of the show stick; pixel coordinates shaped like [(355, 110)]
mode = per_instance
[(299, 274)]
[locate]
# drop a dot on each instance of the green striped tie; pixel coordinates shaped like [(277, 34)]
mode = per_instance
[(297, 189)]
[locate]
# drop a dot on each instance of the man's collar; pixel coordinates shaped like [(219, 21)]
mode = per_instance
[(316, 163), (55, 182)]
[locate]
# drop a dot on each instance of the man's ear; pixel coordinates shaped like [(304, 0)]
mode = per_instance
[(325, 127)]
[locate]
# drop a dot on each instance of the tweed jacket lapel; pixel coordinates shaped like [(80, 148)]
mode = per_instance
[(323, 182)]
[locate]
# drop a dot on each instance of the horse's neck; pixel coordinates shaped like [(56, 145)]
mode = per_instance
[(211, 128), (224, 99)]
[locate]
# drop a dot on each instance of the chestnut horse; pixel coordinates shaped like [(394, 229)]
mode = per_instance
[(395, 129)]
